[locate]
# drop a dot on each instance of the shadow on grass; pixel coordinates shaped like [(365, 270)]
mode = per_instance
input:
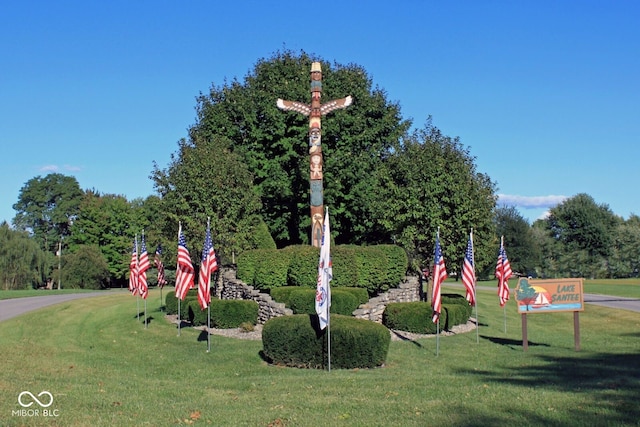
[(203, 335), (610, 383), (511, 342), (405, 338)]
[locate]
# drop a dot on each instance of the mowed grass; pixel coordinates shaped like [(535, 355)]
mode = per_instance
[(104, 368)]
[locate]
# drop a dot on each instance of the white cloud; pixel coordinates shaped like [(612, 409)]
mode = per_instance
[(56, 168), (531, 202)]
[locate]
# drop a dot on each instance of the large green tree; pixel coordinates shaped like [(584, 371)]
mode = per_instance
[(625, 258), (586, 231), (274, 144), (108, 222), (523, 249), (46, 207), (206, 180), (430, 182), (23, 264)]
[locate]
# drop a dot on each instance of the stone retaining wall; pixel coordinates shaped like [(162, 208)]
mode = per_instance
[(229, 287), (408, 291)]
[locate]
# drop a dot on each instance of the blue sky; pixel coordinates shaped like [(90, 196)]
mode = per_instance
[(546, 94)]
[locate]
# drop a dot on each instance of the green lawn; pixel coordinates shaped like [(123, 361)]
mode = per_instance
[(104, 368)]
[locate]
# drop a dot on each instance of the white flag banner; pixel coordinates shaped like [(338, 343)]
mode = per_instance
[(325, 274)]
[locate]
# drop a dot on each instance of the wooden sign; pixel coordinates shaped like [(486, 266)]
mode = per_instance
[(549, 295)]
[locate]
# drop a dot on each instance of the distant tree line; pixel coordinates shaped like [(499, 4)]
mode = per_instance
[(245, 166)]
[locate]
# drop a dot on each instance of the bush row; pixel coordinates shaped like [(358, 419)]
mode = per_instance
[(297, 341), (417, 316), (374, 268), (302, 300), (225, 314)]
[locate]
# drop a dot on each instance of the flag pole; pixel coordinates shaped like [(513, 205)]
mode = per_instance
[(329, 339), (438, 337), (179, 321), (137, 281), (504, 311), (147, 286), (475, 285), (208, 328), (440, 290), (209, 296)]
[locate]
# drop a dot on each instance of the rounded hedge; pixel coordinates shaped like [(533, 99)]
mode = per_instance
[(298, 342), (417, 316), (376, 268), (303, 301), (413, 317), (225, 314)]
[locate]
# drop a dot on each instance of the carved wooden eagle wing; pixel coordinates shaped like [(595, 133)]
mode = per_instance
[(335, 105), (298, 107)]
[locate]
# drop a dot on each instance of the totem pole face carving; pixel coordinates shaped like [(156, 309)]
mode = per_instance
[(316, 166), (314, 138)]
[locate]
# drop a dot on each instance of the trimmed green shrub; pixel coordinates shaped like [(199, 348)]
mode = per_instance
[(413, 317), (345, 273), (460, 300), (225, 314), (171, 303), (374, 268), (417, 317), (283, 293), (271, 271), (303, 301), (248, 263), (361, 294), (303, 267), (456, 315), (296, 341), (397, 264)]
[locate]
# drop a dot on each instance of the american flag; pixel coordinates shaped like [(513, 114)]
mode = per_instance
[(184, 268), (208, 265), (325, 275), (439, 274), (143, 266), (503, 273), (157, 260), (133, 269), (469, 272)]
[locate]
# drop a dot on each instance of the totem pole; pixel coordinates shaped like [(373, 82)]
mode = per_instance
[(315, 111)]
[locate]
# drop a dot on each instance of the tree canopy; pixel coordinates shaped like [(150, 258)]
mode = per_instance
[(273, 143), (46, 207)]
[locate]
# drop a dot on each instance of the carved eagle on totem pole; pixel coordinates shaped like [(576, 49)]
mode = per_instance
[(305, 109)]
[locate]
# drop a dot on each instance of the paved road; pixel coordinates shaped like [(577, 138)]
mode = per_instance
[(16, 306), (623, 303)]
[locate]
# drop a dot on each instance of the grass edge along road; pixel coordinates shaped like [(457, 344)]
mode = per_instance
[(103, 368)]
